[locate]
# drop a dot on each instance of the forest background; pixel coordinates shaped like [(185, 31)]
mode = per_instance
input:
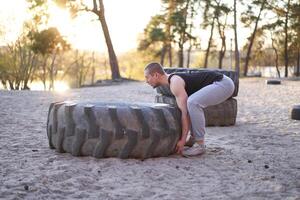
[(42, 51)]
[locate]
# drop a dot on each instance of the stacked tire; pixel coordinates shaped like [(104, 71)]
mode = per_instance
[(223, 114)]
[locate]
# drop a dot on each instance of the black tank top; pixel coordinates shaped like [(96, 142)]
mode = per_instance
[(196, 81)]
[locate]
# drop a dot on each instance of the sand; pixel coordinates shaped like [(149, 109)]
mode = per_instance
[(258, 158)]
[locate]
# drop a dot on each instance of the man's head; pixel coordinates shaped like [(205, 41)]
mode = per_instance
[(153, 74)]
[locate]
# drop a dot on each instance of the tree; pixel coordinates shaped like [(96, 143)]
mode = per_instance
[(286, 57), (222, 10), (173, 27), (183, 22), (167, 46), (4, 76), (258, 52), (275, 48), (98, 9), (295, 41), (154, 38), (273, 29), (48, 43), (193, 41), (248, 18), (75, 7), (17, 64), (209, 19), (179, 19), (283, 29), (81, 68), (212, 14)]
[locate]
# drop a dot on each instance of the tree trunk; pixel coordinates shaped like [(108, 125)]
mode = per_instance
[(180, 56), (17, 84), (298, 63), (286, 58), (236, 51), (51, 73), (26, 87), (276, 57), (93, 69), (221, 57), (221, 29), (114, 65), (191, 39), (44, 74), (223, 47), (11, 85), (4, 84), (30, 70), (163, 55), (252, 39), (183, 36), (189, 56), (276, 62), (93, 75), (81, 72), (170, 55), (222, 53), (77, 68), (171, 8), (209, 43)]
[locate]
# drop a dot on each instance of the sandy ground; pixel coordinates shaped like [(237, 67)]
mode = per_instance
[(259, 158)]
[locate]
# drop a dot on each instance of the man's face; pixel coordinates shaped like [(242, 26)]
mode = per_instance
[(152, 79)]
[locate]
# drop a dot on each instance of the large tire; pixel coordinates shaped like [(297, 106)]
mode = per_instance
[(113, 130), (165, 90), (296, 112), (223, 114)]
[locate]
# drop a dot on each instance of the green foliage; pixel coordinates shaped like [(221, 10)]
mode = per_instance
[(48, 41), (154, 35), (294, 48), (18, 64), (172, 27)]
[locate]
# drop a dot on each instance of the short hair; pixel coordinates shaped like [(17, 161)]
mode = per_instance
[(154, 67)]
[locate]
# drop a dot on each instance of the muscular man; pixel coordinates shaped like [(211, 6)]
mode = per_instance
[(193, 92)]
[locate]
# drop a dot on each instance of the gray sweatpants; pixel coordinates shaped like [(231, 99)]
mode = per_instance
[(213, 94)]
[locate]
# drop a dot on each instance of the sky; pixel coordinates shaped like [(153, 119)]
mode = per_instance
[(126, 21)]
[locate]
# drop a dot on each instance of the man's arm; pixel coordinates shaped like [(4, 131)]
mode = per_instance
[(177, 87)]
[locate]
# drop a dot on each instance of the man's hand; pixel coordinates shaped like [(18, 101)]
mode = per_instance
[(179, 146)]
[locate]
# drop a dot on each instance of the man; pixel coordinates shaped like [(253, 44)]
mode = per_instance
[(193, 92)]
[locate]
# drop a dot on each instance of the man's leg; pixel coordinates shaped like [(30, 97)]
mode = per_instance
[(210, 95)]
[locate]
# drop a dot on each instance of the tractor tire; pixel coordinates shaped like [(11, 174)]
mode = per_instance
[(113, 130), (165, 90), (223, 114), (296, 112)]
